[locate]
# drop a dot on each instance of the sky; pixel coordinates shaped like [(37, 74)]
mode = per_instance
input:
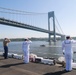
[(65, 12)]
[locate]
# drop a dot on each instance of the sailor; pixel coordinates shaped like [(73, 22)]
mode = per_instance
[(25, 48), (5, 45), (67, 47)]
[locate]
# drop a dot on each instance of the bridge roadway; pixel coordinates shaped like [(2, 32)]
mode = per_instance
[(26, 26)]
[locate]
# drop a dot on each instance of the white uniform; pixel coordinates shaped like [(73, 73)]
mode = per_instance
[(25, 47), (67, 46)]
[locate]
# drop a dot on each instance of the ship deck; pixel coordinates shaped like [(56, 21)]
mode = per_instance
[(13, 66)]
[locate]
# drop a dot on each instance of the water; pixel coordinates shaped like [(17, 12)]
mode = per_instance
[(47, 51)]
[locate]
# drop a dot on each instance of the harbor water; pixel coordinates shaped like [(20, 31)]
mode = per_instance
[(40, 48)]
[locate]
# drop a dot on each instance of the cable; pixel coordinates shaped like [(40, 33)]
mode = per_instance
[(22, 11), (57, 28), (16, 13), (59, 25)]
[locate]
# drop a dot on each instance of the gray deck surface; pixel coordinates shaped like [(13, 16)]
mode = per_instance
[(12, 66)]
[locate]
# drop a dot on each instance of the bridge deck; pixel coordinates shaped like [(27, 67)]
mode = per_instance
[(22, 25), (12, 66)]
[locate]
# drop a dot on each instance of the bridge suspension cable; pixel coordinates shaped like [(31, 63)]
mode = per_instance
[(30, 13), (59, 26)]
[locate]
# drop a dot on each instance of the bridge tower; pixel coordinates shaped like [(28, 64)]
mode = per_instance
[(51, 15)]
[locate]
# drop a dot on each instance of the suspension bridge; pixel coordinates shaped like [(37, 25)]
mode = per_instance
[(4, 20)]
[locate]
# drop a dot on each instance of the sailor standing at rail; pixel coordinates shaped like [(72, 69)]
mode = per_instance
[(67, 47), (25, 47)]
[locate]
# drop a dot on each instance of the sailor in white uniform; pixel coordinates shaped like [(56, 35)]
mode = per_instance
[(25, 48), (67, 46)]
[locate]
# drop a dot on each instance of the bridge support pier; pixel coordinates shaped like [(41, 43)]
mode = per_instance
[(49, 39)]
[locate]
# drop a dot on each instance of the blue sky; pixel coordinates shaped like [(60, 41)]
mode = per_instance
[(65, 12)]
